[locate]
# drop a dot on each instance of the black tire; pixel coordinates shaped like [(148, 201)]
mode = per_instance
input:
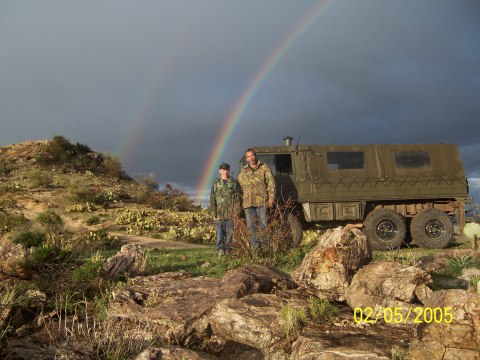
[(296, 230), (431, 229), (385, 229)]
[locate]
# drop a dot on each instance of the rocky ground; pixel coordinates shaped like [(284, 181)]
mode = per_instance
[(382, 309), (339, 303)]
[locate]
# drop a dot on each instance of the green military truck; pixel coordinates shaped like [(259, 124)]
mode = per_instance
[(387, 189)]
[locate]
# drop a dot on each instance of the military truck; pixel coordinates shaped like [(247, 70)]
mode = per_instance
[(389, 190)]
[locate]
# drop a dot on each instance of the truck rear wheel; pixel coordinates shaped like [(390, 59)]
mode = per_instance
[(431, 229), (296, 230), (385, 229)]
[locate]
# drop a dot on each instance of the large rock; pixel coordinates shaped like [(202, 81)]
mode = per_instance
[(173, 353), (328, 268), (176, 306), (388, 285), (457, 337), (251, 279), (252, 320), (171, 305), (12, 257), (130, 261), (439, 261)]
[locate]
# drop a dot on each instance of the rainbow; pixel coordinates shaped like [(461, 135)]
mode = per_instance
[(244, 101), (166, 60)]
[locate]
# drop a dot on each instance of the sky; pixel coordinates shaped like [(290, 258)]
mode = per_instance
[(173, 87)]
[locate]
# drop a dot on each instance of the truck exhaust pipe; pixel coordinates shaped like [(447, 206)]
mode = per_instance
[(288, 140)]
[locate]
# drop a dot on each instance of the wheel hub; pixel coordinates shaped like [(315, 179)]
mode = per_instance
[(386, 230), (434, 229)]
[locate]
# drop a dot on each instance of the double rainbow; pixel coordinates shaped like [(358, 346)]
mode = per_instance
[(244, 101)]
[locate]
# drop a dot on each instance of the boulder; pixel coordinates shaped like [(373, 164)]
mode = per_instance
[(251, 279), (439, 261), (12, 256), (173, 353), (455, 336), (130, 261), (176, 306), (252, 320), (328, 268), (170, 305), (388, 285)]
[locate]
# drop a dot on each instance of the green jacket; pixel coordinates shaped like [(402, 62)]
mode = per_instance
[(225, 199), (257, 185)]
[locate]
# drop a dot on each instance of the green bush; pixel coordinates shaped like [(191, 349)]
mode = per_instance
[(30, 239), (148, 181), (322, 310), (456, 265), (88, 273), (93, 220), (40, 178), (60, 151), (80, 191), (10, 221), (113, 168), (292, 320), (47, 255), (6, 166)]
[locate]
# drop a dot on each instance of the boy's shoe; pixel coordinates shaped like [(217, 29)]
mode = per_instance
[(221, 252)]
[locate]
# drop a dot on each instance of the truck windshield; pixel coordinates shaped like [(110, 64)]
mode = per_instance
[(281, 164)]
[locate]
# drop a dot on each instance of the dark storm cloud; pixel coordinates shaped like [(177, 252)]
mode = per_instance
[(171, 72)]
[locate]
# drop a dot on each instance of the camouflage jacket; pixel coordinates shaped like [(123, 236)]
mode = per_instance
[(225, 199), (257, 185)]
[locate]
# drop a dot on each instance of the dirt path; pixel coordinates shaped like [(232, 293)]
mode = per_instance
[(156, 243)]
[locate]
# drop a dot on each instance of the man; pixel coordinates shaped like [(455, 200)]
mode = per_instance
[(225, 204), (258, 187)]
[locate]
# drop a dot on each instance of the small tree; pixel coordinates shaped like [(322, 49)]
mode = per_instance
[(52, 224)]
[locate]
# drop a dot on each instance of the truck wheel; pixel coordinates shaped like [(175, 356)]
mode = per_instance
[(385, 229), (431, 229), (296, 230)]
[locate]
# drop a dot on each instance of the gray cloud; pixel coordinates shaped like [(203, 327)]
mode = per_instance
[(154, 81)]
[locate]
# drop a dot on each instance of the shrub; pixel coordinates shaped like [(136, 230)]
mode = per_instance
[(172, 199), (106, 197), (52, 223), (473, 283), (93, 220), (399, 353), (46, 256), (148, 181), (40, 178), (80, 191), (322, 310), (292, 320), (30, 239), (456, 265), (6, 166), (9, 221), (80, 157), (88, 277), (277, 231)]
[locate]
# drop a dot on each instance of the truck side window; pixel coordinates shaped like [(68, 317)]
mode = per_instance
[(338, 160), (412, 159)]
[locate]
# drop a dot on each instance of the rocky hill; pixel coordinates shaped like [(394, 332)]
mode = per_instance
[(69, 291)]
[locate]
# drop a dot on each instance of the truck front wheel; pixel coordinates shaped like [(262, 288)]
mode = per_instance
[(385, 229), (431, 229)]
